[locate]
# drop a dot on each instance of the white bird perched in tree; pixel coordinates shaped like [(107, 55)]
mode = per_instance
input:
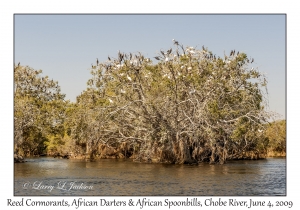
[(134, 62), (147, 75), (189, 68), (129, 78), (122, 91), (111, 101), (175, 42), (167, 59), (190, 50), (192, 91)]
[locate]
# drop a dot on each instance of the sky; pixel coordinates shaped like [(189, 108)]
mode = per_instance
[(65, 46)]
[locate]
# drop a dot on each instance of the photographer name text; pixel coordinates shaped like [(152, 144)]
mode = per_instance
[(62, 185)]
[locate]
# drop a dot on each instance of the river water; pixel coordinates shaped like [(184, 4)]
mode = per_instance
[(114, 177)]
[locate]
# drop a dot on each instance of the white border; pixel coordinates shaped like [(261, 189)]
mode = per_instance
[(8, 8)]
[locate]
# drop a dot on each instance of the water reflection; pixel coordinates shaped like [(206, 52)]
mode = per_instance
[(124, 177)]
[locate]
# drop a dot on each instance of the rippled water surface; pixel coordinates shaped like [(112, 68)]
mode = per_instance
[(51, 176)]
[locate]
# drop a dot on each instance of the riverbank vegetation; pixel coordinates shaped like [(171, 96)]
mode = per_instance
[(184, 106), (276, 137)]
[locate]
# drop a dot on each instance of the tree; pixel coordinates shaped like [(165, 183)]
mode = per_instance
[(38, 110), (276, 137), (191, 106)]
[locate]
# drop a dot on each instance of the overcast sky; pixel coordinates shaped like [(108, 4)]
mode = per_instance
[(65, 46)]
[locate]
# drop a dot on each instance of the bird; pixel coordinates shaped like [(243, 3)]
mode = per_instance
[(192, 91), (157, 58), (121, 56), (175, 42), (97, 62), (129, 78), (111, 101), (108, 58)]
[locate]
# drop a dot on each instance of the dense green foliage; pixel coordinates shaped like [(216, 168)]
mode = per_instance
[(186, 107), (276, 137), (38, 110)]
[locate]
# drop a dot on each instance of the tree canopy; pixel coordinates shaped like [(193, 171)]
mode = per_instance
[(38, 109), (186, 105)]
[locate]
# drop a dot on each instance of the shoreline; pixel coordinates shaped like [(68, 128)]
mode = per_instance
[(83, 157)]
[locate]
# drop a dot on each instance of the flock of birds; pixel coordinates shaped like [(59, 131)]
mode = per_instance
[(136, 60), (166, 56)]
